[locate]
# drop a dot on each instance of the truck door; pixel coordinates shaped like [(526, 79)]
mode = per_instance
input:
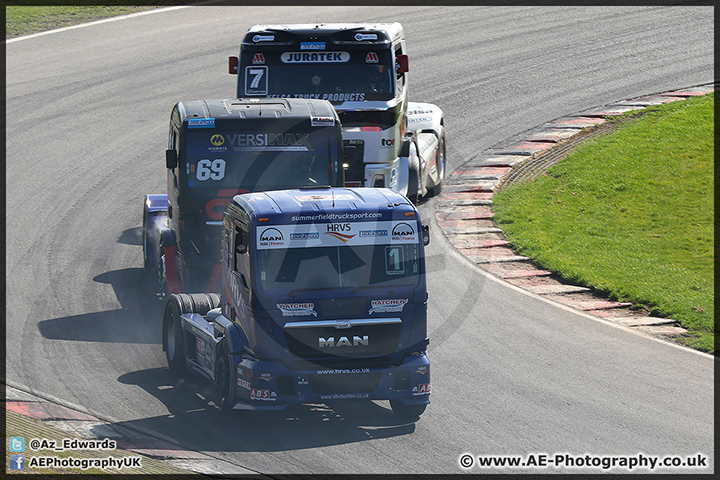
[(239, 274)]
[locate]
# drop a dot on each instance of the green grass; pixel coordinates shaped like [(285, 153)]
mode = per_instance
[(630, 214), (25, 20)]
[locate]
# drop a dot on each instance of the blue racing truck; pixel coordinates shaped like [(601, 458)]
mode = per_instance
[(218, 149), (323, 298)]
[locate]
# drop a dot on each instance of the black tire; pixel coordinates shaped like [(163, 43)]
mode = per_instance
[(173, 338), (407, 413), (414, 173), (441, 165), (223, 381), (147, 261)]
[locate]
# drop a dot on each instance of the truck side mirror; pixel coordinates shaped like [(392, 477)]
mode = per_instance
[(171, 159), (233, 65), (402, 64), (426, 235)]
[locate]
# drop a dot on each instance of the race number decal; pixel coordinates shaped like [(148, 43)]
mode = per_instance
[(395, 260), (256, 82), (207, 170)]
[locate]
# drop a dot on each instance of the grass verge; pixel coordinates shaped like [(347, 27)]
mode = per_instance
[(25, 20), (630, 214)]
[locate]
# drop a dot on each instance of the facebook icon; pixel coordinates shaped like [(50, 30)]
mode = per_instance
[(17, 462)]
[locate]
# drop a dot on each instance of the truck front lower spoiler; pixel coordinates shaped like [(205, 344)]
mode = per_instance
[(263, 385)]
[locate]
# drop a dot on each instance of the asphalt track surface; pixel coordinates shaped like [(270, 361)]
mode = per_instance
[(512, 374)]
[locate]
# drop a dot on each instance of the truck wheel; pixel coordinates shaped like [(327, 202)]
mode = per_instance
[(147, 262), (223, 381), (173, 336), (404, 412), (437, 188), (414, 173)]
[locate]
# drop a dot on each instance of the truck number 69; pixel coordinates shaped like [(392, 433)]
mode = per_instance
[(214, 170)]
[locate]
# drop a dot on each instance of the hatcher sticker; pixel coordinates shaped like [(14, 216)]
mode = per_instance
[(422, 389), (297, 309), (387, 306)]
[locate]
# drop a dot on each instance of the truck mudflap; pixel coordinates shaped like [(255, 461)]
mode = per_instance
[(264, 385)]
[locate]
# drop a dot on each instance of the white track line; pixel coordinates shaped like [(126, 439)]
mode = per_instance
[(96, 22)]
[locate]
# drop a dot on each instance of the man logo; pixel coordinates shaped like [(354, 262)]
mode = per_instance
[(271, 235), (403, 230), (343, 342), (217, 139)]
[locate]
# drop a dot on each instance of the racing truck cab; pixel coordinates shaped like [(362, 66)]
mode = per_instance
[(323, 298), (217, 149), (362, 70)]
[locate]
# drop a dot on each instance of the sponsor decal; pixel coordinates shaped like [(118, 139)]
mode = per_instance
[(335, 229), (258, 59), (373, 233), (305, 236), (271, 237), (323, 197), (371, 57), (344, 396), (315, 57), (422, 389), (387, 142), (419, 119), (332, 97), (322, 121), (365, 36), (422, 370), (312, 45), (262, 394), (387, 306), (243, 383), (403, 231), (265, 142), (217, 139), (266, 376), (201, 123), (343, 342), (297, 309), (264, 38), (340, 236)]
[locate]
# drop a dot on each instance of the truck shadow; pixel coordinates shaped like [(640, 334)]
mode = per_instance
[(135, 322), (197, 424)]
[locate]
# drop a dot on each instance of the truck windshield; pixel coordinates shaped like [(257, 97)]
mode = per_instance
[(338, 266), (259, 161), (330, 75)]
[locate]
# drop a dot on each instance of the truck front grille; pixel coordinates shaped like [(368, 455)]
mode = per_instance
[(340, 339)]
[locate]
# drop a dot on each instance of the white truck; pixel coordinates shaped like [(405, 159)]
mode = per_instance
[(362, 70)]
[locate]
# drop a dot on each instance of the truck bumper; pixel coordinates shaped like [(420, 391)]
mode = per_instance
[(262, 385)]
